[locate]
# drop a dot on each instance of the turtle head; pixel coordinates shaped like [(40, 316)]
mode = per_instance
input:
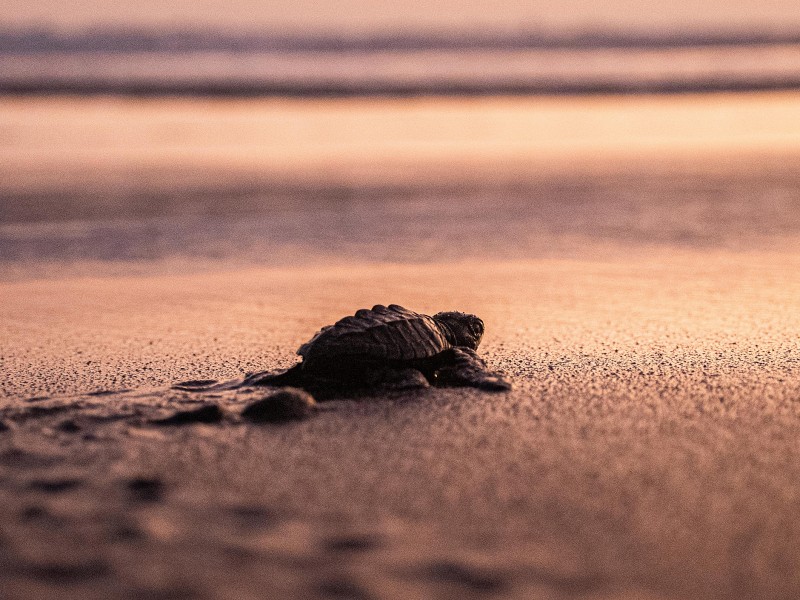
[(461, 329)]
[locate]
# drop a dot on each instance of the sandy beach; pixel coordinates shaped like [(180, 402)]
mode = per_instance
[(638, 281)]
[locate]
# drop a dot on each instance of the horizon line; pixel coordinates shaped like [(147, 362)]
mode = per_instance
[(37, 40)]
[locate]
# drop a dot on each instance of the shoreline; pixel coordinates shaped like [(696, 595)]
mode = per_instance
[(376, 91)]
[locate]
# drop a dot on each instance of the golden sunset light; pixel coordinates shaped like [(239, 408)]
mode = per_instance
[(369, 301)]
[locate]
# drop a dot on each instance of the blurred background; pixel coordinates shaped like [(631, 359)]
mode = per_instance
[(190, 189), (345, 48), (289, 132)]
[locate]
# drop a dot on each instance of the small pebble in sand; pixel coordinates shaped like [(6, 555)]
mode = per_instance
[(4, 426), (289, 404)]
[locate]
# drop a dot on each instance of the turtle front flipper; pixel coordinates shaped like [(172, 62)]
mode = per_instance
[(396, 380), (462, 367)]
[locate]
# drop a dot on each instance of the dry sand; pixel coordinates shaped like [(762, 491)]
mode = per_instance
[(649, 449)]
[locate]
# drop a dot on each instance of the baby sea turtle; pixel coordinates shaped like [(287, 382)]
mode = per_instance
[(390, 347)]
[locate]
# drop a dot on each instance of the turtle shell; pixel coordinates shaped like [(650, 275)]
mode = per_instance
[(383, 333)]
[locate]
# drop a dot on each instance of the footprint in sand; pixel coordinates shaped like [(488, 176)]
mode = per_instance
[(68, 426), (67, 572), (342, 589), (472, 578), (352, 544), (145, 489), (252, 518), (54, 486)]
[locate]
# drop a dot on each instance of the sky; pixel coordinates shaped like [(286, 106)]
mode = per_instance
[(360, 16)]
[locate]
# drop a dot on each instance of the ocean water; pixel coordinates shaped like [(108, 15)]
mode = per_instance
[(280, 181), (454, 63), (357, 47)]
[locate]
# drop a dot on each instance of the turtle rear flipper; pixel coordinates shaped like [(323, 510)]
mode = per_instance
[(290, 377), (209, 385), (464, 368)]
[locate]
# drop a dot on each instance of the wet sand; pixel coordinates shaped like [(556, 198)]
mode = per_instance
[(118, 148), (649, 449)]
